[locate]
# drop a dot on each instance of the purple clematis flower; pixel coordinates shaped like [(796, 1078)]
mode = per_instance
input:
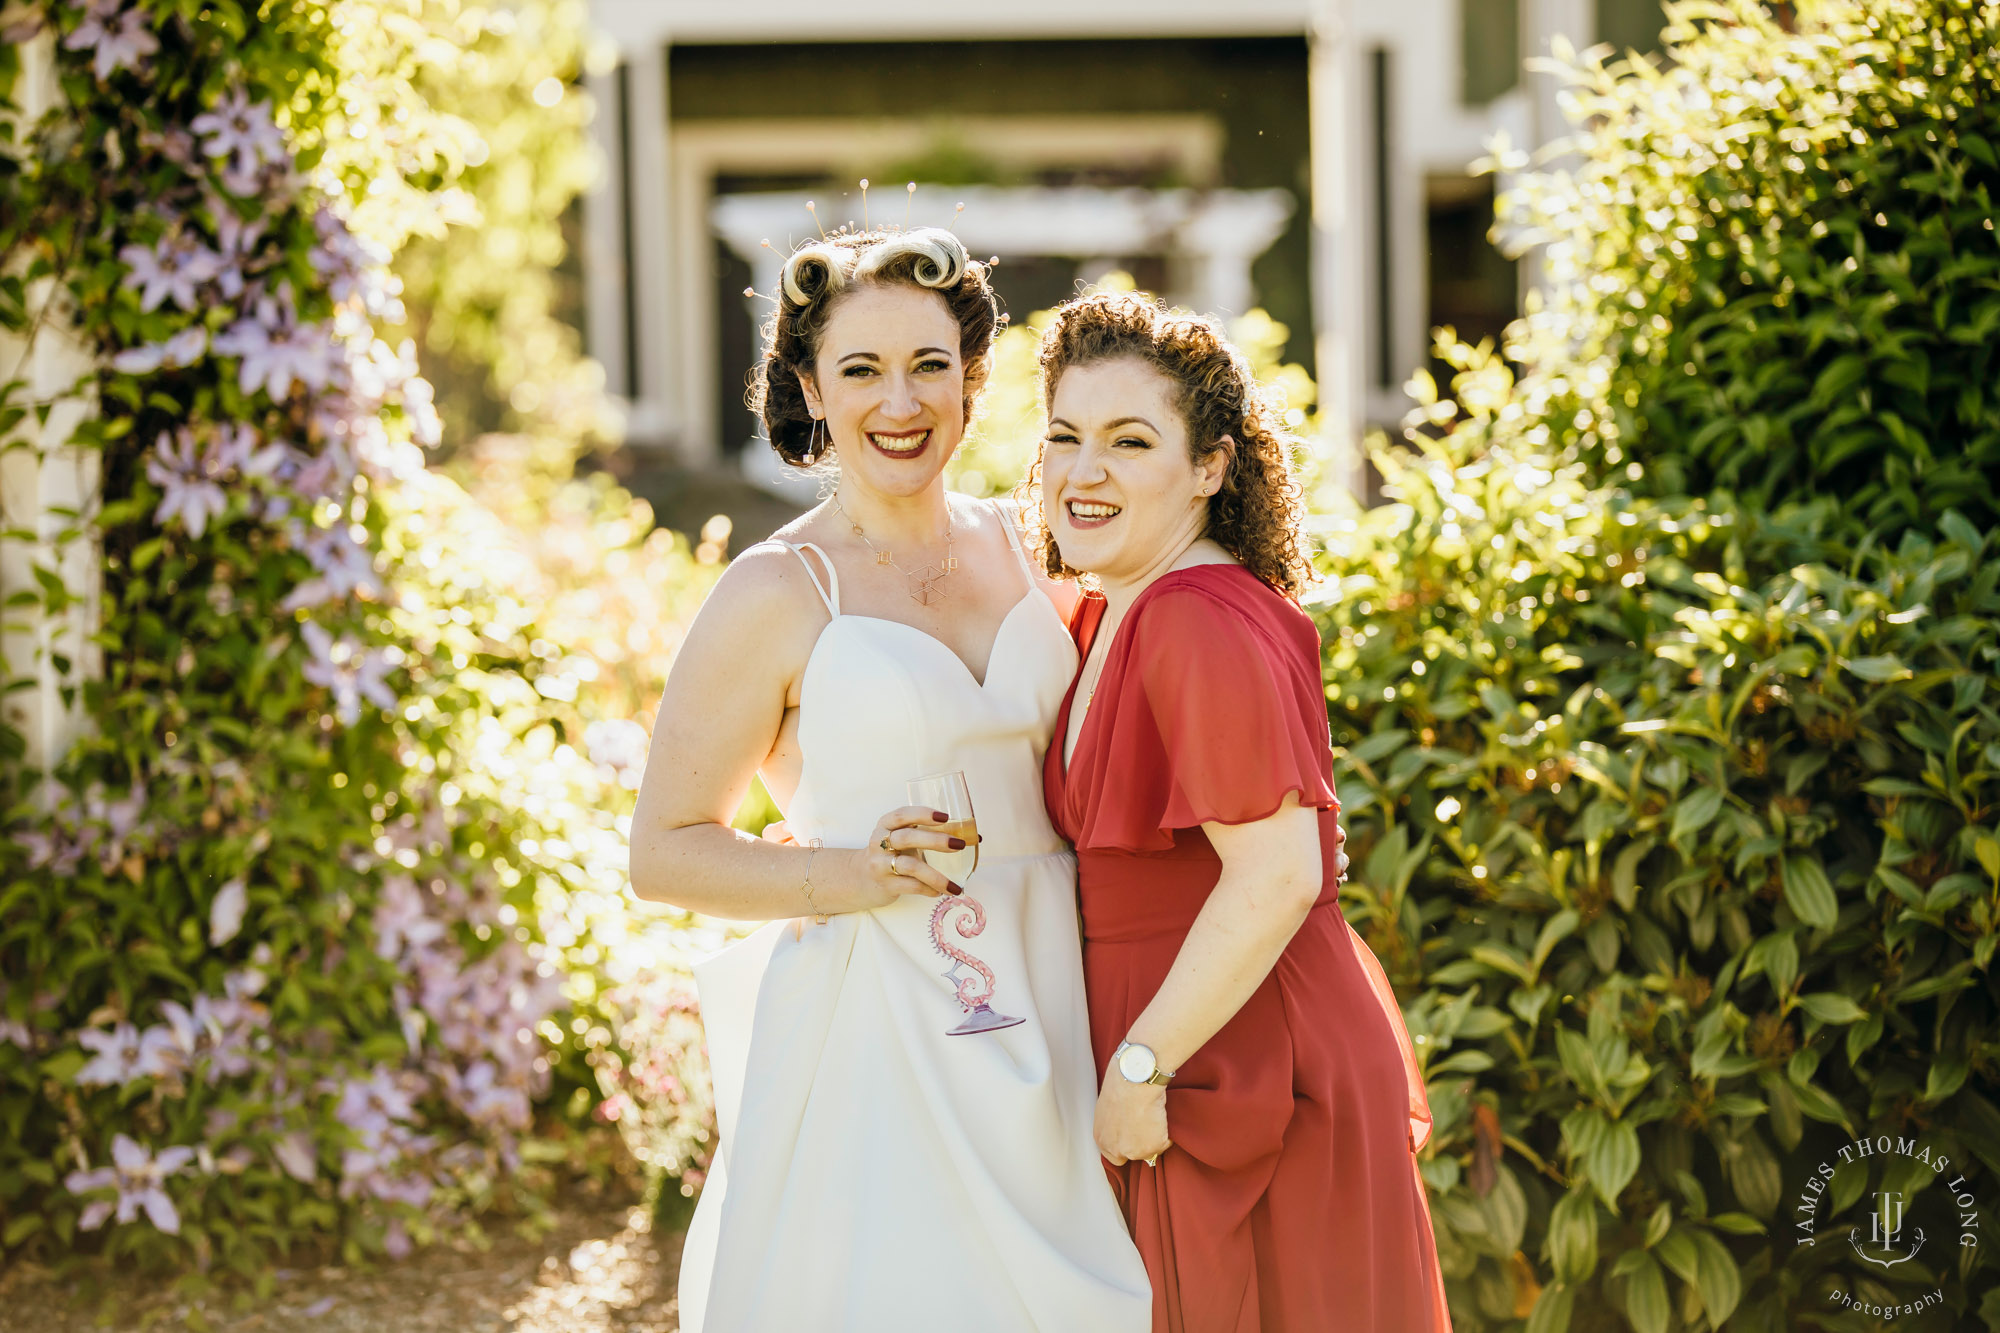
[(402, 921), (138, 1176), (345, 260), (341, 666), (485, 1099), (245, 134), (123, 1054), (188, 480), (371, 1107), (344, 567), (176, 267), (235, 450), (116, 40), (296, 1154), (225, 912), (183, 349), (276, 357)]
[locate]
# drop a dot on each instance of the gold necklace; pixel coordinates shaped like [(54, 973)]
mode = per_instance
[(924, 579)]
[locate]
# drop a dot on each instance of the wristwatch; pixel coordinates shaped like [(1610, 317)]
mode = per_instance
[(1136, 1063)]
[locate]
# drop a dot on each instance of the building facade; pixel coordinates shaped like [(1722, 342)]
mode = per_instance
[(1307, 156)]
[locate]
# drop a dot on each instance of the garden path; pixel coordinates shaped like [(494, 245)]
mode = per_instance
[(599, 1269)]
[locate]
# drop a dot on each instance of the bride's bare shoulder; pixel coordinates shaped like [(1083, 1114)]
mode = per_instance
[(766, 599)]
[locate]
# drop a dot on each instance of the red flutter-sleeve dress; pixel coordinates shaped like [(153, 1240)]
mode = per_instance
[(1290, 1199)]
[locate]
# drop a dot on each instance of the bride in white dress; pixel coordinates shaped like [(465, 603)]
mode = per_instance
[(875, 1173)]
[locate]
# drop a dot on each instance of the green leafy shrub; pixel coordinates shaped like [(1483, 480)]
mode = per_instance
[(1776, 264), (1687, 853)]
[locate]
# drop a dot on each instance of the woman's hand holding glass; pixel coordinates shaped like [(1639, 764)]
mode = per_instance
[(892, 865)]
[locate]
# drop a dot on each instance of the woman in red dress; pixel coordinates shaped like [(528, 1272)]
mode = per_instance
[(1260, 1105)]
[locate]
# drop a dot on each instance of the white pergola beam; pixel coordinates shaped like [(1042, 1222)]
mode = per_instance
[(633, 22)]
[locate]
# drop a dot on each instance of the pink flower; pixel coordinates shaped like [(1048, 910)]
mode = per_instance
[(116, 43), (138, 1176)]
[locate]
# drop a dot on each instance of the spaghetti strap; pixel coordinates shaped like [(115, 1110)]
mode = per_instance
[(829, 591), (1010, 524)]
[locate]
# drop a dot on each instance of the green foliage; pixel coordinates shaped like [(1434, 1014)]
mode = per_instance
[(492, 301), (1776, 253), (1690, 850), (316, 940), (1679, 816)]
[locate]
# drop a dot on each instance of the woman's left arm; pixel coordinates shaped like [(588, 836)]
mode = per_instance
[(1271, 877)]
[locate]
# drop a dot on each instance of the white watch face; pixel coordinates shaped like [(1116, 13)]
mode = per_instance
[(1137, 1064)]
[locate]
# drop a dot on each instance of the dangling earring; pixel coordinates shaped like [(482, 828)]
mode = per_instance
[(817, 445)]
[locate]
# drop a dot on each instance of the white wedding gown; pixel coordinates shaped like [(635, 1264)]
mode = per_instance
[(875, 1174)]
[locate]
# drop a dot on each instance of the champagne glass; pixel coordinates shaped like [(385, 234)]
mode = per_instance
[(948, 793)]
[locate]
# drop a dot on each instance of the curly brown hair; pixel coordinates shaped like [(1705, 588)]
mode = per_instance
[(1258, 514), (822, 271)]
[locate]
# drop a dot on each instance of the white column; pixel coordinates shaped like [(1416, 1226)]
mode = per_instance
[(661, 406), (42, 475), (1545, 21), (1339, 268), (604, 274), (1223, 236)]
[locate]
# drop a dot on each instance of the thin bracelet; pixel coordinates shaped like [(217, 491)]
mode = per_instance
[(819, 917)]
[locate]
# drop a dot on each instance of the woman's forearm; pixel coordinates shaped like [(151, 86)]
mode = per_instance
[(723, 872), (1243, 928)]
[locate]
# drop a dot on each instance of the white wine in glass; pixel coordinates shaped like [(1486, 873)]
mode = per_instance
[(948, 792), (964, 915)]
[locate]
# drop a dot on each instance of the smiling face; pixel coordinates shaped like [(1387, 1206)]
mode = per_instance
[(1121, 492), (890, 386)]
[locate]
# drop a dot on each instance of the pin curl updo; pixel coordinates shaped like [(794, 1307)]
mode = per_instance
[(818, 274), (1258, 514)]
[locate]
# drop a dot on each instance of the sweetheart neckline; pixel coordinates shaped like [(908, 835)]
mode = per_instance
[(977, 683)]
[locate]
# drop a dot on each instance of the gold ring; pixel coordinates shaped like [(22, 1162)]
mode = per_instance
[(1154, 1160), (885, 845)]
